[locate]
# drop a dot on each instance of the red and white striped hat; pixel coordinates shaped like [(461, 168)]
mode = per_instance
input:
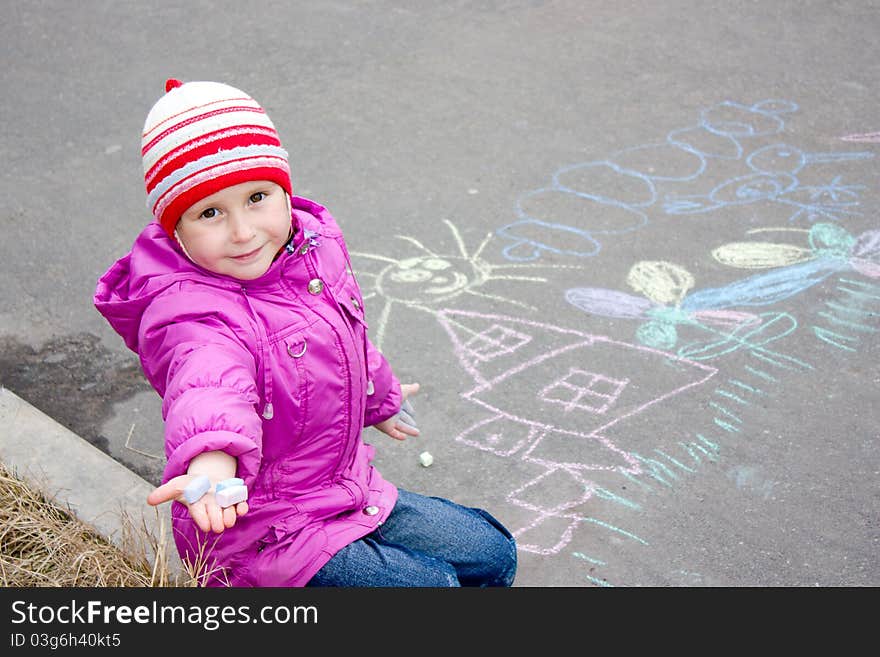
[(201, 137)]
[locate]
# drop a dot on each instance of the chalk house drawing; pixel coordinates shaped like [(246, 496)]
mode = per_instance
[(577, 386), (588, 202)]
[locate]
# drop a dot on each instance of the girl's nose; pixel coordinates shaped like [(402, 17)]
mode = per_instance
[(240, 229)]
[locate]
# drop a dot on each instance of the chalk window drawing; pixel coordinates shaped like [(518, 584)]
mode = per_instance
[(496, 341), (582, 390)]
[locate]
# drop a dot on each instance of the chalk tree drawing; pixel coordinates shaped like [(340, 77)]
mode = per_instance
[(590, 201), (429, 280), (576, 387)]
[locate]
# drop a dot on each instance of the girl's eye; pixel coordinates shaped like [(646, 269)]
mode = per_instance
[(209, 213), (257, 197)]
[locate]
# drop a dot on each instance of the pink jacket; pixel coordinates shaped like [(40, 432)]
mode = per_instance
[(277, 372)]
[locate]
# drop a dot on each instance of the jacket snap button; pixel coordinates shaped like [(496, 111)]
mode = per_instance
[(304, 249), (316, 285), (371, 510)]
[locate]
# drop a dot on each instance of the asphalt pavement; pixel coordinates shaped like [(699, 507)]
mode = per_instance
[(628, 249)]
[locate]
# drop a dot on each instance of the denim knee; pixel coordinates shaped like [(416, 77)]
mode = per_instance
[(501, 554)]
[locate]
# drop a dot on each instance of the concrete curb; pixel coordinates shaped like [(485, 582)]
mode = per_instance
[(76, 475)]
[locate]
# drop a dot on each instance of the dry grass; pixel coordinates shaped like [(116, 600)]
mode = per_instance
[(43, 545)]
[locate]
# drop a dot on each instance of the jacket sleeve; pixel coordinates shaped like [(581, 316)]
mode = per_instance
[(386, 398), (207, 379)]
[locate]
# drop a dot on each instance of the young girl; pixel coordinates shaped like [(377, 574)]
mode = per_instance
[(241, 303)]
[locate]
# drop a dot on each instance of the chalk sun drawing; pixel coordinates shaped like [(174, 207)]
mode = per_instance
[(428, 280), (588, 202), (549, 396)]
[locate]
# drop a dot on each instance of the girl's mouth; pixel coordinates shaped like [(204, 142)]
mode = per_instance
[(246, 257)]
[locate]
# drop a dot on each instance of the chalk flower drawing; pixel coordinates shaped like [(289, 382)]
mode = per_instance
[(666, 305)]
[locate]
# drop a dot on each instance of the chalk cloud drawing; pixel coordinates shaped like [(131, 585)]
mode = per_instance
[(549, 395), (591, 201)]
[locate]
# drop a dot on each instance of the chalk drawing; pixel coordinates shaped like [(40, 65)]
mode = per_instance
[(549, 396), (831, 250), (667, 305), (591, 201), (429, 280), (857, 303), (865, 137)]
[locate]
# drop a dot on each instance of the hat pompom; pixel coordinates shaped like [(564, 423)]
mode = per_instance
[(172, 83)]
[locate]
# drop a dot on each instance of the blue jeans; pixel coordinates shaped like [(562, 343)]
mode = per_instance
[(426, 542)]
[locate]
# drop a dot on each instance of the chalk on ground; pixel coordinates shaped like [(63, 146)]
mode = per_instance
[(426, 459)]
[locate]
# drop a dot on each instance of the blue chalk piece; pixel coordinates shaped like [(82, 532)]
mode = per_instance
[(408, 407), (228, 483), (196, 488), (405, 418)]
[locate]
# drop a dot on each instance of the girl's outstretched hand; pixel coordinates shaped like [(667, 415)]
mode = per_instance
[(207, 514), (401, 425)]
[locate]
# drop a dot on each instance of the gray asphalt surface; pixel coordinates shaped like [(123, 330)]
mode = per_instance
[(705, 418)]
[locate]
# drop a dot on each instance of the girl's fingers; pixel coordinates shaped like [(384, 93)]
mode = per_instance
[(229, 516), (168, 491), (200, 515), (406, 430), (215, 514)]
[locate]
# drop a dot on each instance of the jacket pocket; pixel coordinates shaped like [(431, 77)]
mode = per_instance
[(284, 554), (291, 382)]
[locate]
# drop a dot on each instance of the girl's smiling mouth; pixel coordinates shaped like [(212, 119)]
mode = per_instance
[(250, 255)]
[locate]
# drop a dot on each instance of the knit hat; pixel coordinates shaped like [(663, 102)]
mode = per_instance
[(201, 137)]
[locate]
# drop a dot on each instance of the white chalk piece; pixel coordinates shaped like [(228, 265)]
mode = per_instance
[(426, 459), (196, 488), (228, 483), (231, 495)]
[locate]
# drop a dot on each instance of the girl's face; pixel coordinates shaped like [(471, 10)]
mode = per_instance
[(238, 230)]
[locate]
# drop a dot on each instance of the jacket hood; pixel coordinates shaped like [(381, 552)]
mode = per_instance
[(156, 262)]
